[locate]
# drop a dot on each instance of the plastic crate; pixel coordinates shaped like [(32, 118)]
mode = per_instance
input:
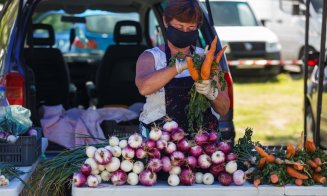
[(24, 152), (121, 130)]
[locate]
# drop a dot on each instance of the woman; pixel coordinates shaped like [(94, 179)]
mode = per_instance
[(166, 87)]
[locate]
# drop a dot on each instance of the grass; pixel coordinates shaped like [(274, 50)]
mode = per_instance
[(273, 107)]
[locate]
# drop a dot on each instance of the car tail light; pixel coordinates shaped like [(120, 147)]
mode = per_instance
[(313, 62), (79, 44), (229, 80), (92, 44), (15, 88)]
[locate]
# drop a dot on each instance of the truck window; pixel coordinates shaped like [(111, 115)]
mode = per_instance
[(232, 14)]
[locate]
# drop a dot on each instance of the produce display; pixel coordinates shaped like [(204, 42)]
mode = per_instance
[(7, 173)]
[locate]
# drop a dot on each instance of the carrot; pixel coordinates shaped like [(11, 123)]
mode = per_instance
[(312, 164), (193, 72), (290, 151), (298, 182), (206, 66), (318, 169), (319, 178), (310, 145), (318, 161), (220, 54), (262, 163), (295, 174), (261, 152), (256, 182), (274, 178), (270, 158), (298, 166)]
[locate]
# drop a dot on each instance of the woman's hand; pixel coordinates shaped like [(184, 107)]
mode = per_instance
[(204, 87)]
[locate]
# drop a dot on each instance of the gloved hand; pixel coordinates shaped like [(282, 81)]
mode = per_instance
[(180, 65), (204, 87)]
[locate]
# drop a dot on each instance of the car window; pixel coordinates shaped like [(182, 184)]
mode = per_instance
[(155, 30)]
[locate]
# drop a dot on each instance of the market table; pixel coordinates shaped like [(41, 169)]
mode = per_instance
[(163, 189), (16, 186)]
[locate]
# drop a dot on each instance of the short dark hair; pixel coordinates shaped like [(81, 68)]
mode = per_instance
[(184, 11)]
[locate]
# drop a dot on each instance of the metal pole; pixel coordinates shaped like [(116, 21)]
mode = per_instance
[(305, 76), (321, 71)]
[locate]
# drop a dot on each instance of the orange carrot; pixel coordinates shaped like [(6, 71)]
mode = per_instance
[(220, 54), (312, 164), (318, 161), (295, 174), (319, 178), (274, 178), (193, 72), (290, 151), (298, 182), (261, 163), (270, 158), (206, 66), (261, 152), (256, 182), (310, 145), (298, 166)]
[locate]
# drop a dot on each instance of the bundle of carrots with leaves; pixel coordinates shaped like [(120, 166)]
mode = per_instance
[(203, 67)]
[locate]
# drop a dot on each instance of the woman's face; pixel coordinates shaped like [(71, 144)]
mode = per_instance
[(182, 26)]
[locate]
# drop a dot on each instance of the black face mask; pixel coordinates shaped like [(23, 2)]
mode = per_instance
[(181, 39)]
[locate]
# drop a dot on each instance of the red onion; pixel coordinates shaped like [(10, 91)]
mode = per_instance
[(170, 125), (128, 152), (187, 177), (147, 178), (102, 156), (149, 144), (213, 136), (119, 177), (177, 158), (135, 140), (231, 156), (140, 153), (225, 178), (155, 165), (191, 161), (225, 147), (154, 153), (177, 134), (196, 151), (201, 138), (92, 181), (218, 157), (183, 145), (204, 161), (210, 148), (79, 179), (166, 164), (161, 144), (165, 136), (86, 169), (171, 147), (216, 169)]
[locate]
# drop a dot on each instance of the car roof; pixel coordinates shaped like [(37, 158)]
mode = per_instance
[(79, 6)]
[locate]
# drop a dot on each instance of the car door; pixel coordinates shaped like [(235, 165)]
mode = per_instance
[(323, 125)]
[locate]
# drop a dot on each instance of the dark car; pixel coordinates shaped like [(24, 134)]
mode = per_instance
[(312, 98), (36, 73)]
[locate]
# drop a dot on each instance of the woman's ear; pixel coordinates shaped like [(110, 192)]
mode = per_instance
[(164, 21)]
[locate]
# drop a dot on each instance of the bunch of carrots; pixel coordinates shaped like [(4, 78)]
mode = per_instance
[(203, 68), (299, 166)]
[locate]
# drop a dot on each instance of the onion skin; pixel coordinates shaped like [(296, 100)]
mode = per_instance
[(213, 136), (166, 164), (165, 136), (239, 177), (183, 145), (92, 181), (140, 153), (118, 178), (187, 177), (135, 140), (171, 147), (225, 147), (147, 178), (204, 161), (191, 161), (154, 165), (177, 135), (216, 169), (201, 138), (170, 126), (209, 148), (149, 144), (177, 158), (161, 144), (225, 178), (218, 157), (154, 153), (196, 151), (86, 169), (79, 179)]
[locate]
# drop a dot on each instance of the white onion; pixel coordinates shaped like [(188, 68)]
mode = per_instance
[(173, 180), (92, 181), (170, 126), (113, 141), (175, 170), (231, 167), (208, 179), (126, 165), (123, 143), (113, 165), (105, 175), (135, 140), (95, 172), (218, 157), (147, 178), (101, 167), (161, 144), (102, 156), (99, 178), (138, 167), (171, 147), (92, 163), (155, 134), (239, 177), (199, 177), (90, 151), (128, 152), (115, 151), (204, 161), (119, 177), (132, 178)]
